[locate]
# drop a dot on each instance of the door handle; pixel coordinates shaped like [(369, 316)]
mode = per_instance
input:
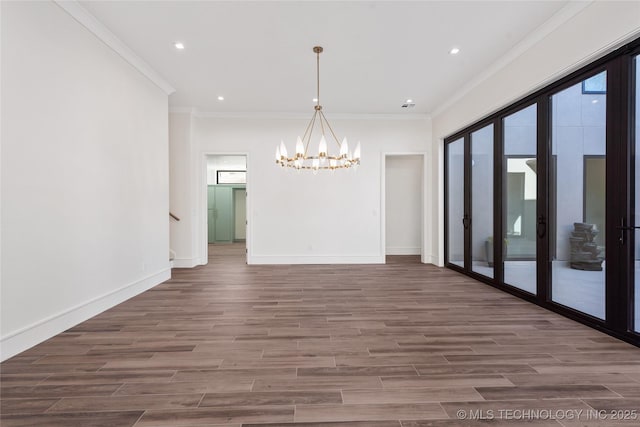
[(541, 228), (624, 228), (466, 221)]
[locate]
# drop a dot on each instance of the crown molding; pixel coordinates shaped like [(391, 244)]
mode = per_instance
[(295, 116), (182, 110), (553, 23), (82, 16)]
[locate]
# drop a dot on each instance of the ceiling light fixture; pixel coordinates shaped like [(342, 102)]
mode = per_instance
[(409, 101), (454, 51), (221, 98), (179, 45), (323, 160)]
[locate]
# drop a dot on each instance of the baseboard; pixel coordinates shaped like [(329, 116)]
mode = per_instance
[(403, 251), (185, 262), (40, 331), (432, 259), (317, 259)]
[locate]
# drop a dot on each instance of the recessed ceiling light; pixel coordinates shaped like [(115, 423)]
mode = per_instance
[(221, 98), (179, 45), (595, 101), (454, 51)]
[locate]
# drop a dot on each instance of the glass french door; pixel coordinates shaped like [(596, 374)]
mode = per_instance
[(578, 196), (482, 171), (469, 216), (543, 197), (456, 220), (519, 204)]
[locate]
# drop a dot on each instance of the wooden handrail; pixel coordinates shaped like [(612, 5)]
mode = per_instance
[(174, 217)]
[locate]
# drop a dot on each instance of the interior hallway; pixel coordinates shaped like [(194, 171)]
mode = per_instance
[(401, 344)]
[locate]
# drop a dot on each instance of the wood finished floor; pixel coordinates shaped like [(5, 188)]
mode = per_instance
[(395, 345)]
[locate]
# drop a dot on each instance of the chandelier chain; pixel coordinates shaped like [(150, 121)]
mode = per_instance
[(318, 76)]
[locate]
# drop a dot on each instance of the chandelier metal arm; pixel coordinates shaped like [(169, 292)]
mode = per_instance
[(322, 124), (331, 130), (309, 126), (310, 130)]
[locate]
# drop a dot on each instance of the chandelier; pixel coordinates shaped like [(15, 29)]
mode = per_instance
[(303, 159)]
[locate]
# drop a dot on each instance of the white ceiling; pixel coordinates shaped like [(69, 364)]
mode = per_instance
[(258, 55)]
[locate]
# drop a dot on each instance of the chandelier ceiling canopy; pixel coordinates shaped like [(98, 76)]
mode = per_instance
[(303, 159)]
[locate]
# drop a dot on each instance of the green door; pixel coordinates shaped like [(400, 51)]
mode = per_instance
[(220, 214), (210, 213), (224, 214)]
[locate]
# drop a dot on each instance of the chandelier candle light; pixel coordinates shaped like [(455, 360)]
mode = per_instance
[(323, 160)]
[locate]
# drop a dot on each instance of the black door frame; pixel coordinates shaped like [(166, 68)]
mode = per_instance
[(619, 189)]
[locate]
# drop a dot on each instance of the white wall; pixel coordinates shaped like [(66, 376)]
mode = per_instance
[(403, 204), (84, 176), (182, 190), (301, 218), (594, 31)]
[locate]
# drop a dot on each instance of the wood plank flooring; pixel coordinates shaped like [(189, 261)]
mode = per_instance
[(395, 345)]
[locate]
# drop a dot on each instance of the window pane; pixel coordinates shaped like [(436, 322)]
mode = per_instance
[(482, 201), (519, 204), (577, 183), (455, 200)]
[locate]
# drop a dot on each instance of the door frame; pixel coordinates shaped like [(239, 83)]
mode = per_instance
[(201, 240), (620, 286), (425, 194), (633, 314)]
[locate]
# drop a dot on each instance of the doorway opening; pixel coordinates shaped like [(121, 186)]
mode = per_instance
[(226, 177), (403, 208)]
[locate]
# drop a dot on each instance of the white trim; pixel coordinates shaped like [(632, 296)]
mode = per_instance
[(427, 208), (296, 116), (185, 262), (557, 20), (201, 203), (403, 251), (315, 259), (27, 337), (92, 24), (440, 255), (383, 204), (431, 259), (182, 110)]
